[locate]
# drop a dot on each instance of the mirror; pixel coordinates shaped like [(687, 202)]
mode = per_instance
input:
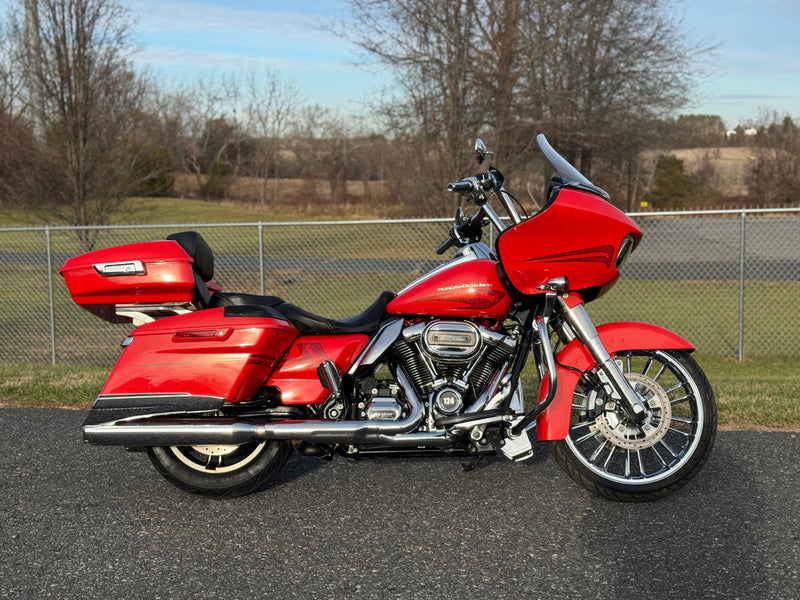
[(480, 151)]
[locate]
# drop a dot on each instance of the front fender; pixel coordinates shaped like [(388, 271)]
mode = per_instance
[(575, 359)]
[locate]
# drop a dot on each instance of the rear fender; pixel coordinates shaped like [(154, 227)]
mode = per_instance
[(575, 359)]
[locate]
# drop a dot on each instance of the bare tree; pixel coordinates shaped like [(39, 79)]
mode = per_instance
[(619, 63), (431, 46), (26, 166), (322, 140), (774, 175), (12, 83), (590, 72), (89, 95), (207, 131), (272, 105), (33, 66)]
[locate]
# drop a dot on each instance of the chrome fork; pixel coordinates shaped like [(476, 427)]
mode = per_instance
[(611, 375)]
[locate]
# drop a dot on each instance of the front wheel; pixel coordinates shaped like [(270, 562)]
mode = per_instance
[(614, 458), (221, 470)]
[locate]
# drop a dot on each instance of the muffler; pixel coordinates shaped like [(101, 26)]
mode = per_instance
[(160, 430)]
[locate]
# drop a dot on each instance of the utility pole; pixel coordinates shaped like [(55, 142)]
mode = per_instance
[(33, 56)]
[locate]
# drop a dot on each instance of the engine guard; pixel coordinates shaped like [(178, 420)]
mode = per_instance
[(575, 359)]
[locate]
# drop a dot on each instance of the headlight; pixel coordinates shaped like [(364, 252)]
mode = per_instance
[(625, 249)]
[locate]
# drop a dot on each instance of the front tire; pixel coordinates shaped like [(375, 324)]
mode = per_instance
[(610, 456), (221, 471)]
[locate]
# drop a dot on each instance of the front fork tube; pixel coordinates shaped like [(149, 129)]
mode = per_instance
[(611, 375)]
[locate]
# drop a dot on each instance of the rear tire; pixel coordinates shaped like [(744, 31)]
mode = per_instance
[(611, 457), (221, 471)]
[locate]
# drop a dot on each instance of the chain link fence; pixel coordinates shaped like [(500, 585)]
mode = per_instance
[(729, 281)]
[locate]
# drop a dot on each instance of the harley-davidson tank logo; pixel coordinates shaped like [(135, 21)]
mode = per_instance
[(599, 254), (463, 286)]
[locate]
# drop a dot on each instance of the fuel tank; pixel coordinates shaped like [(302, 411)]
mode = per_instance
[(467, 288)]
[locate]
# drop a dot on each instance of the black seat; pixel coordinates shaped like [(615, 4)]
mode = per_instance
[(367, 322), (306, 322)]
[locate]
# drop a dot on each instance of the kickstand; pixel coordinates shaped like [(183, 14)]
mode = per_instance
[(472, 465)]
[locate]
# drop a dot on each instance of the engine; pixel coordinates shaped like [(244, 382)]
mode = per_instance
[(450, 364)]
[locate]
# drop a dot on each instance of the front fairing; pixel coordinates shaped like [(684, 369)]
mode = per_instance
[(577, 236)]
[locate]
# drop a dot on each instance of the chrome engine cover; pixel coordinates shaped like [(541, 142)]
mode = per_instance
[(448, 401), (451, 341), (383, 408)]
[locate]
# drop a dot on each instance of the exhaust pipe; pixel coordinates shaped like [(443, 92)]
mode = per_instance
[(230, 431)]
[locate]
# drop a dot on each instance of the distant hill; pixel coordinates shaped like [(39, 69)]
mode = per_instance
[(730, 165)]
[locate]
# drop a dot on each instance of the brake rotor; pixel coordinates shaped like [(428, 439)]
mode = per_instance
[(617, 428)]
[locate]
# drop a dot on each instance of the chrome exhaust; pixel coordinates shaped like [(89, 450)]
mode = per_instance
[(161, 431)]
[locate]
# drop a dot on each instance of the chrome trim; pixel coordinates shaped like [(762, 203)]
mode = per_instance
[(147, 313), (384, 338), (463, 340), (121, 268), (413, 332), (482, 421), (508, 204), (490, 394), (478, 249), (494, 217), (421, 439)]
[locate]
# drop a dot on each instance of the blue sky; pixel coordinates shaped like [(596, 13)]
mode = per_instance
[(755, 66)]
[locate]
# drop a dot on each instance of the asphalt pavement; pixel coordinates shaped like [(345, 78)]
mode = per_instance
[(83, 522)]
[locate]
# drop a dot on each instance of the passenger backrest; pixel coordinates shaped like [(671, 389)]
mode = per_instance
[(197, 248)]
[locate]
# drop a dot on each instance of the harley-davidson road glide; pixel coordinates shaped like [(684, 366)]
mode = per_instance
[(219, 388)]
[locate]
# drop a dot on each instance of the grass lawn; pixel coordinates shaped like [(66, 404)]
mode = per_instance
[(758, 394)]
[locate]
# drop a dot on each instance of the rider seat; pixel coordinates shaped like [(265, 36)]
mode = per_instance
[(305, 322)]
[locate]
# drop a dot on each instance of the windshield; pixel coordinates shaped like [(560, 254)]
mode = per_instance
[(569, 175)]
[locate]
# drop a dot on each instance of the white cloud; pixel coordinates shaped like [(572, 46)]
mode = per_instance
[(202, 17), (164, 57)]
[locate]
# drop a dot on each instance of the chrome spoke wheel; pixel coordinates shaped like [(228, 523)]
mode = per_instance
[(605, 450)]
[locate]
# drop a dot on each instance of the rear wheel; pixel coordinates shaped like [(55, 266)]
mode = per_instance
[(221, 470), (606, 453)]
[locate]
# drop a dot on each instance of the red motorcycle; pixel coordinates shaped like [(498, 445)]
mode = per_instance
[(219, 388)]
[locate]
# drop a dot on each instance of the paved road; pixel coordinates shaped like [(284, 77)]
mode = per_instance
[(87, 522)]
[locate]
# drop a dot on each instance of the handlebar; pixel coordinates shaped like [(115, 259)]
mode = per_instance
[(464, 232), (465, 185), (443, 247), (477, 184)]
